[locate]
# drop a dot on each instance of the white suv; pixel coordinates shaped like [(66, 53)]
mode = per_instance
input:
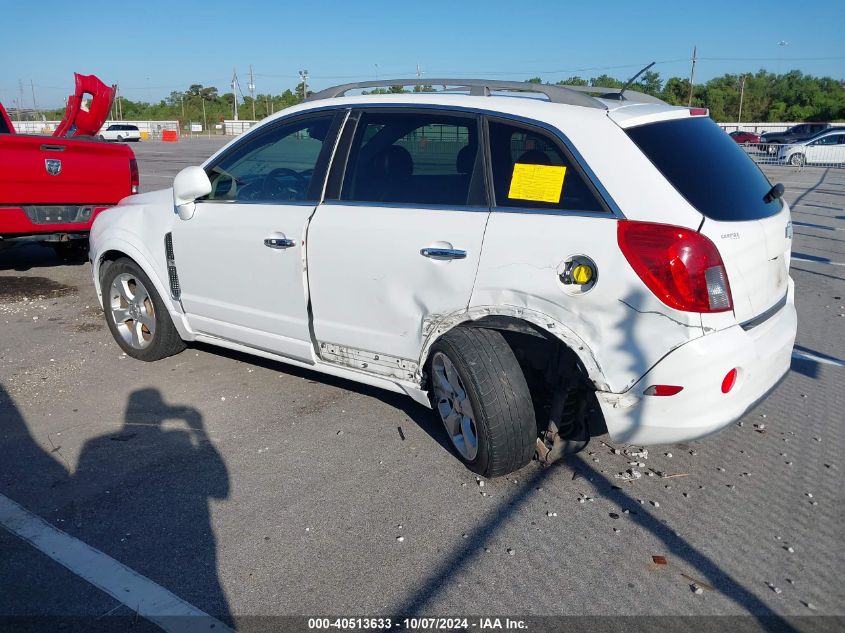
[(120, 132), (506, 259)]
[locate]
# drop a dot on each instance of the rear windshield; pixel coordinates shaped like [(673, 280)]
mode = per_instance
[(707, 167)]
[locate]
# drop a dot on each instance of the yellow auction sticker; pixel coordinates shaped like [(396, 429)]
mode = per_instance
[(538, 183)]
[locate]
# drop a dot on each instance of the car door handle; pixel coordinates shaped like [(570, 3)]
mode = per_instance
[(443, 253), (279, 242)]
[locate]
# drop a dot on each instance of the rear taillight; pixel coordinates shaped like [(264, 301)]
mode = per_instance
[(681, 267), (134, 178)]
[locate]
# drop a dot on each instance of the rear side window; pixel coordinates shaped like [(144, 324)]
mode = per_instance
[(530, 171), (707, 168), (4, 129), (414, 158)]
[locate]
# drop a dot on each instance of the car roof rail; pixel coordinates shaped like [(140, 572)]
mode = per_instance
[(615, 94), (572, 95)]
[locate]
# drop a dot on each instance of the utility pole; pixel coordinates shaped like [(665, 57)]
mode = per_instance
[(303, 74), (20, 100), (182, 101), (34, 104), (235, 92), (692, 74), (252, 91), (204, 119), (741, 95)]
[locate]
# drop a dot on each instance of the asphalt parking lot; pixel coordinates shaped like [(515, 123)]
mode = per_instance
[(251, 490)]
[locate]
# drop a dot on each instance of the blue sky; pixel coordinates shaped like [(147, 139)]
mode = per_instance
[(153, 47)]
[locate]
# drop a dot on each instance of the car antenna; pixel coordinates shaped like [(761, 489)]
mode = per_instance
[(632, 80)]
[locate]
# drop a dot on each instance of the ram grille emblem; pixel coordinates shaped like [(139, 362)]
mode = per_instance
[(53, 165)]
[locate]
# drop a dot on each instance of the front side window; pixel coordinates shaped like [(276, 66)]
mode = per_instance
[(414, 158), (826, 140), (531, 171), (274, 166)]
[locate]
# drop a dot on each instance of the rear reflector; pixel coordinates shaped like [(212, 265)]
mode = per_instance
[(729, 381), (663, 390), (681, 267)]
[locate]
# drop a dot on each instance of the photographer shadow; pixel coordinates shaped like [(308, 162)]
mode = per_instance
[(143, 497)]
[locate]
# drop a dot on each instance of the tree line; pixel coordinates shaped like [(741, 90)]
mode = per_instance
[(792, 96)]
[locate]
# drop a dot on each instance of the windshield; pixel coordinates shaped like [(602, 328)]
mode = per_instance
[(707, 168)]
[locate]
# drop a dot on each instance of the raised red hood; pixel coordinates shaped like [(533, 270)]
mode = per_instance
[(6, 126), (82, 122)]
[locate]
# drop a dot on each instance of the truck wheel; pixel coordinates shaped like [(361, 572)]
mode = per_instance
[(480, 394), (136, 315)]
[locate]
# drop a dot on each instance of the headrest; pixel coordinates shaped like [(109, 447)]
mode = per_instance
[(534, 157), (395, 162), (466, 159)]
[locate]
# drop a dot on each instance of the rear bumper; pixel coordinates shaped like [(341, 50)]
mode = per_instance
[(15, 225), (762, 356)]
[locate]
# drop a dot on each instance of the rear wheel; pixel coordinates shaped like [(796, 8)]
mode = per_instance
[(136, 315), (480, 394), (798, 160)]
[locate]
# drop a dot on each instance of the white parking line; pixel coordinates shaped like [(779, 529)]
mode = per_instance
[(137, 592), (817, 359)]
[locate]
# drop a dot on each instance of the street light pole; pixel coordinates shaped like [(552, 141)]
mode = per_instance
[(303, 74), (252, 91), (741, 95)]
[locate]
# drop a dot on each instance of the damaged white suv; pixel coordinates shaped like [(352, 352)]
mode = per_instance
[(509, 258)]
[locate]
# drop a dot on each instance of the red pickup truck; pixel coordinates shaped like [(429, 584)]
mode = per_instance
[(52, 187)]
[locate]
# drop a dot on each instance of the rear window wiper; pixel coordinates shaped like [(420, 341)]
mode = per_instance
[(774, 193)]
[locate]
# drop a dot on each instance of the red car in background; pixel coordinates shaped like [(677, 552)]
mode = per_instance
[(52, 187), (745, 138)]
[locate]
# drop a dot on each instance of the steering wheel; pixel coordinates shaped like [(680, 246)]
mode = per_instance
[(271, 186)]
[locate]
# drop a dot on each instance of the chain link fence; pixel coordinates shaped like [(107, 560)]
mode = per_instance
[(823, 151)]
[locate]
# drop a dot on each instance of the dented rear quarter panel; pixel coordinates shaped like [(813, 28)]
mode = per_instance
[(623, 328)]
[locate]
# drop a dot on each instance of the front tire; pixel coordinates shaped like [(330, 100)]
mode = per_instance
[(136, 315), (480, 394), (798, 160)]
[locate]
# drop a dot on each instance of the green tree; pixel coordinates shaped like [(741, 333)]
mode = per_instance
[(605, 81), (575, 80)]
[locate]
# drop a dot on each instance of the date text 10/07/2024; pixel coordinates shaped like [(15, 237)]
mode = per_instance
[(418, 624)]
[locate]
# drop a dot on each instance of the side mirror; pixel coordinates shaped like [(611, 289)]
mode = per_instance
[(190, 183)]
